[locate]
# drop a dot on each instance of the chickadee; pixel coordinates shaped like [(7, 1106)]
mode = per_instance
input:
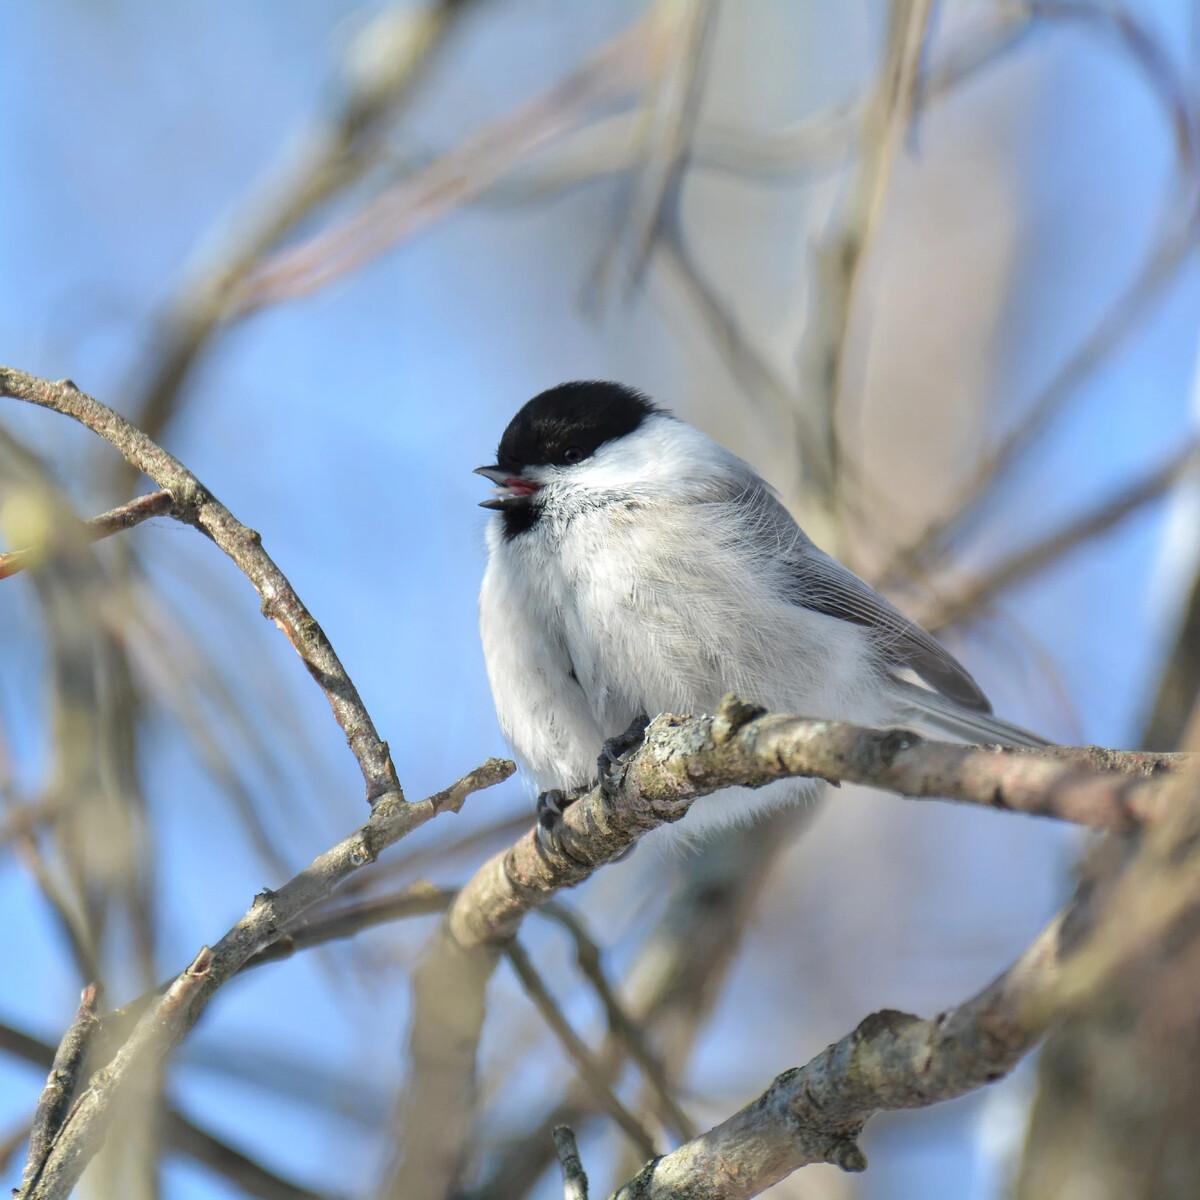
[(637, 567)]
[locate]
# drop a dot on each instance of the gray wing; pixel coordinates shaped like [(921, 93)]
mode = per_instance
[(816, 581), (824, 585)]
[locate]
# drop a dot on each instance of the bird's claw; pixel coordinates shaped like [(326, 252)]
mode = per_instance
[(550, 807), (615, 750)]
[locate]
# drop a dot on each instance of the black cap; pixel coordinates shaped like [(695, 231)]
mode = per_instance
[(569, 423)]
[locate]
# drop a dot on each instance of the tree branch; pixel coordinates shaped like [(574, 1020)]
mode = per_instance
[(575, 1183), (1041, 554), (626, 1031), (892, 1060), (125, 516), (65, 1075), (680, 760), (685, 758), (585, 1061), (387, 61), (182, 1135), (168, 1019), (457, 177), (196, 506)]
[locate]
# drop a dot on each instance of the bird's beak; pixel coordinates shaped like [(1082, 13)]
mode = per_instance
[(511, 490)]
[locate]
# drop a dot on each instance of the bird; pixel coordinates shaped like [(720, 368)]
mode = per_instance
[(636, 567)]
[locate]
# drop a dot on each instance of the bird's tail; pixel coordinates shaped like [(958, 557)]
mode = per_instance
[(933, 713)]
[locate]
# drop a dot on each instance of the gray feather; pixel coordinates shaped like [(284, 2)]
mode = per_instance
[(935, 713), (820, 583)]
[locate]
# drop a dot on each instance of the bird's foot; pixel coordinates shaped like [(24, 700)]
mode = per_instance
[(615, 751), (550, 808)]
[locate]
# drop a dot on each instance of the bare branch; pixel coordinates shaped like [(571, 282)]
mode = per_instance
[(684, 758), (1115, 327), (181, 1134), (661, 140), (839, 259), (575, 1184), (417, 900), (892, 1060), (680, 760), (169, 1018), (424, 899), (1151, 58), (67, 905), (1154, 897), (195, 505), (456, 178), (386, 63), (624, 1029), (65, 1076), (747, 365), (1179, 687), (125, 516), (1035, 558), (585, 1061)]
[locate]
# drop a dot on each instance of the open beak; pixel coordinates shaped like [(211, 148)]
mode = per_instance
[(511, 490)]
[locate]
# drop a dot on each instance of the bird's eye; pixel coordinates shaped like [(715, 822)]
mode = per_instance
[(573, 454)]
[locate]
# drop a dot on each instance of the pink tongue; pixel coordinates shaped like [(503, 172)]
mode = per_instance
[(522, 487)]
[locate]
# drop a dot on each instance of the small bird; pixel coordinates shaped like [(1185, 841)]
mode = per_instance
[(638, 567)]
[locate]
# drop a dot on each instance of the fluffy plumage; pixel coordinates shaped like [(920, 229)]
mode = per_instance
[(636, 566)]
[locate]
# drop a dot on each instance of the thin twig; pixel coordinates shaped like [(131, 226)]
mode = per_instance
[(65, 1076), (181, 1134), (386, 63), (628, 1032), (1152, 898), (67, 905), (407, 862), (11, 1142), (171, 1016), (417, 900), (195, 505), (23, 819), (456, 178), (1050, 550), (666, 128), (124, 516), (811, 146), (841, 257), (747, 365), (674, 982), (575, 1183), (576, 1049), (1156, 64), (1114, 329)]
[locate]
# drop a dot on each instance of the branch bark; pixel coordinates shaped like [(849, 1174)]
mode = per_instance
[(575, 1184), (65, 1074), (194, 505), (680, 760), (685, 758), (180, 1134), (169, 1018), (892, 1060)]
